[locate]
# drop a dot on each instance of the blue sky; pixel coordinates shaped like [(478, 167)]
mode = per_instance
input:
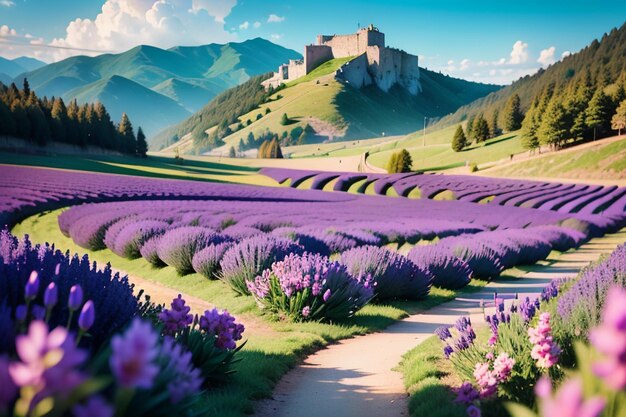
[(490, 41)]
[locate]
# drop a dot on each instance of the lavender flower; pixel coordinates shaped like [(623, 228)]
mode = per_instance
[(32, 286), (177, 318), (87, 316), (223, 326), (133, 355), (75, 299), (443, 333), (466, 394), (186, 380), (527, 309), (50, 296)]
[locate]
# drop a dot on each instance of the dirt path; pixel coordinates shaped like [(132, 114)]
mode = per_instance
[(355, 377)]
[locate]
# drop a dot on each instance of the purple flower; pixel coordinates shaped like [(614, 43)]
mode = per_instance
[(306, 311), (326, 295), (9, 389), (473, 411), (32, 286), (76, 297), (447, 351), (443, 333), (610, 340), (20, 313), (48, 362), (568, 401), (186, 380), (223, 327), (95, 406), (177, 318), (38, 312), (466, 394), (87, 316), (50, 296), (133, 355)]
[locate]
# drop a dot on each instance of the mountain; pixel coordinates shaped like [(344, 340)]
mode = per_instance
[(188, 76), (326, 108), (601, 62), (11, 68)]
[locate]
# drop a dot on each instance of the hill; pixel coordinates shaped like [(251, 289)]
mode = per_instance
[(188, 76), (330, 110), (10, 68), (601, 62)]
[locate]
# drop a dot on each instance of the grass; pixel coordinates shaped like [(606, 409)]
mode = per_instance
[(152, 166), (271, 351), (605, 160), (328, 67), (438, 157)]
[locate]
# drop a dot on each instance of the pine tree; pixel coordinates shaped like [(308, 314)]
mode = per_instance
[(232, 153), (125, 130), (468, 128), (284, 120), (400, 161), (263, 150), (513, 116), (459, 141), (392, 163), (39, 129), (494, 128), (618, 121), (598, 114), (530, 125), (22, 123), (59, 121), (26, 90), (7, 123), (480, 129), (142, 145), (553, 130)]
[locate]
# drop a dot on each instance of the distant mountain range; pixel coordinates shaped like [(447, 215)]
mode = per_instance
[(11, 68), (155, 87)]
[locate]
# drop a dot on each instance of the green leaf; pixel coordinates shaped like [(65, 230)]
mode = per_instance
[(518, 410)]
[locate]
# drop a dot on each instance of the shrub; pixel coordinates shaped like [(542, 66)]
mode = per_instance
[(178, 246), (248, 258), (132, 237), (448, 270), (310, 287), (149, 252), (394, 275), (89, 231), (206, 262)]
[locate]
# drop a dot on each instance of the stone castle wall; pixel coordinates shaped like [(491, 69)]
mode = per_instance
[(374, 63)]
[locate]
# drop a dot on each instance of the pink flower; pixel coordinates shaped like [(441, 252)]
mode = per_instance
[(610, 339), (502, 366), (134, 352), (486, 380), (545, 351), (568, 401)]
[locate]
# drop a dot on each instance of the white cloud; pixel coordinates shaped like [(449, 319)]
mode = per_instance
[(245, 25), (274, 18), (123, 24), (276, 36), (546, 56), (464, 64), (565, 54), (6, 32), (519, 53), (7, 3), (256, 25)]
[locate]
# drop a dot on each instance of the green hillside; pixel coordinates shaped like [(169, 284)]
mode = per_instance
[(602, 62), (143, 106), (188, 76), (340, 112), (10, 68)]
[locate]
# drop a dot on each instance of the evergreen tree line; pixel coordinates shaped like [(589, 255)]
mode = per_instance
[(41, 120)]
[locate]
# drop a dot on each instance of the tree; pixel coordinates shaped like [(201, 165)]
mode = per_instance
[(7, 124), (284, 119), (59, 120), (22, 123), (459, 141), (400, 161), (513, 114), (530, 125), (618, 121), (598, 113), (494, 128), (128, 140), (142, 145), (553, 130), (481, 129), (26, 90), (232, 153), (470, 125)]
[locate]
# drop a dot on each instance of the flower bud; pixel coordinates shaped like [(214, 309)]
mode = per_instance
[(32, 286), (76, 297), (20, 313), (87, 316), (326, 295), (50, 296)]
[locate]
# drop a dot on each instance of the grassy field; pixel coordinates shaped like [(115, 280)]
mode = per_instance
[(152, 166), (270, 352), (602, 161), (437, 157)]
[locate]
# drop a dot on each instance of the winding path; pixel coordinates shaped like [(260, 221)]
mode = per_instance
[(355, 377)]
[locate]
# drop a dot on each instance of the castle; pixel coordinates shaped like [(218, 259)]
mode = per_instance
[(373, 62)]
